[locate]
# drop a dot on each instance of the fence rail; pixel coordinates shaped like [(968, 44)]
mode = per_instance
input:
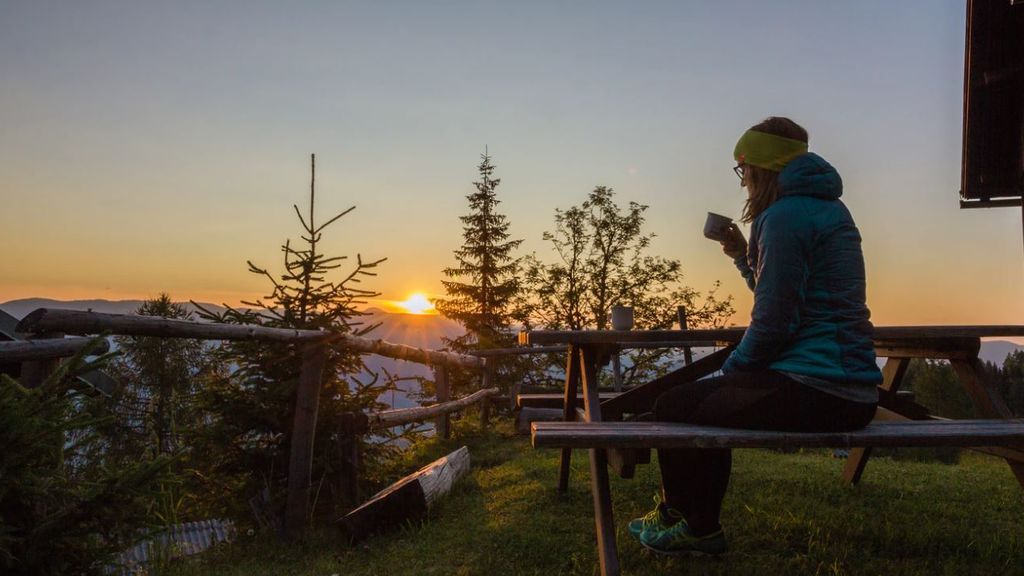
[(48, 349), (88, 322), (390, 418)]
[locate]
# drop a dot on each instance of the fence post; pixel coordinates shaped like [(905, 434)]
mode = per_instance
[(485, 404), (35, 372), (687, 353), (441, 387), (616, 372), (300, 465), (348, 444)]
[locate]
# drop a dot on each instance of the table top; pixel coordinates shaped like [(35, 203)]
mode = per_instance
[(735, 334)]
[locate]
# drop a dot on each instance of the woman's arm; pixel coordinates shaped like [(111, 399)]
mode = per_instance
[(735, 247), (781, 279), (745, 271)]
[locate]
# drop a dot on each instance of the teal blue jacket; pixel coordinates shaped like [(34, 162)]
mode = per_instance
[(805, 266)]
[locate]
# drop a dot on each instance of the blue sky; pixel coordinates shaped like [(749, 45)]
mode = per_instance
[(154, 147)]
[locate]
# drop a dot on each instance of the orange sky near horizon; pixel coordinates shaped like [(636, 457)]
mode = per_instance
[(946, 298)]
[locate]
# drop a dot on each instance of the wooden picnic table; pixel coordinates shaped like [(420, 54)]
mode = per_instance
[(587, 350)]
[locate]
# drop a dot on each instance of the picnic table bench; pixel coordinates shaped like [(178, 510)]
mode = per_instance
[(899, 421), (960, 433)]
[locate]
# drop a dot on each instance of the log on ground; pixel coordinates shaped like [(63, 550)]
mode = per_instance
[(407, 499)]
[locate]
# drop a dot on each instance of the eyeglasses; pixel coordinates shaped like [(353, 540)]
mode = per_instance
[(739, 170)]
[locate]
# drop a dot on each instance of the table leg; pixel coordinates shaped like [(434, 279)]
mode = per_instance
[(600, 486), (892, 375), (988, 401), (572, 378)]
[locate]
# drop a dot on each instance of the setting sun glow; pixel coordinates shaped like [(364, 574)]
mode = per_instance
[(417, 304)]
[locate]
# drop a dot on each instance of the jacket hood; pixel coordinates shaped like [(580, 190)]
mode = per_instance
[(810, 175)]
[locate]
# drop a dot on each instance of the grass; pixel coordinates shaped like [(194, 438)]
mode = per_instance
[(785, 514)]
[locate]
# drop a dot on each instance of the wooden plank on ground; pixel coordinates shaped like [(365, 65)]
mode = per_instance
[(965, 433), (409, 498)]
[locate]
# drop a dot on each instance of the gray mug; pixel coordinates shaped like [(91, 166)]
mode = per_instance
[(716, 227), (622, 317)]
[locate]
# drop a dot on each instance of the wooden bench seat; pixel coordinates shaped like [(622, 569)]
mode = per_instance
[(554, 400), (962, 433)]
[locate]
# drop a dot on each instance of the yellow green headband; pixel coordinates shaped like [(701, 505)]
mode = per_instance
[(767, 150)]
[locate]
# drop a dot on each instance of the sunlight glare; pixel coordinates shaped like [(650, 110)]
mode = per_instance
[(417, 304)]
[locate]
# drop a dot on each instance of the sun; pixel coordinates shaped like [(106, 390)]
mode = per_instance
[(416, 304)]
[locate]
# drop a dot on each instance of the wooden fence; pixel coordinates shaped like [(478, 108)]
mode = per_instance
[(40, 354), (48, 328)]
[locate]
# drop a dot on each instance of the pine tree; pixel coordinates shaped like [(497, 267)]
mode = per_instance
[(485, 275)]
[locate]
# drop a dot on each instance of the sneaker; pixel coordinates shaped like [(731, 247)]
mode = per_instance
[(676, 540), (658, 519)]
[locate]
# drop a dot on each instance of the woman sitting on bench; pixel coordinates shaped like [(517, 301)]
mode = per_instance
[(806, 362)]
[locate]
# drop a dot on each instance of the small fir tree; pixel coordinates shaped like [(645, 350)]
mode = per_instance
[(251, 413)]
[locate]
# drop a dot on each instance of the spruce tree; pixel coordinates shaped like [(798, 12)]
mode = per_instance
[(482, 284), (484, 280)]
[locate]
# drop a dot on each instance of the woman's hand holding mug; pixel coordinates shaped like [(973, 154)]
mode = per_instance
[(733, 243)]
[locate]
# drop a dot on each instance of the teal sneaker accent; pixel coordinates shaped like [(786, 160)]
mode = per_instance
[(676, 540), (658, 519)]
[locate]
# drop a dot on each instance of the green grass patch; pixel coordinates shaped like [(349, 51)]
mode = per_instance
[(784, 514)]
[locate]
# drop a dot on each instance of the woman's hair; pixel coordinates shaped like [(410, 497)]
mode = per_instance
[(763, 184)]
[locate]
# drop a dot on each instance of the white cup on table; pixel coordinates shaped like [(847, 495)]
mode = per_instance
[(622, 317)]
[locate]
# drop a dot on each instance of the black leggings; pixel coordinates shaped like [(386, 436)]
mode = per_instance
[(694, 480)]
